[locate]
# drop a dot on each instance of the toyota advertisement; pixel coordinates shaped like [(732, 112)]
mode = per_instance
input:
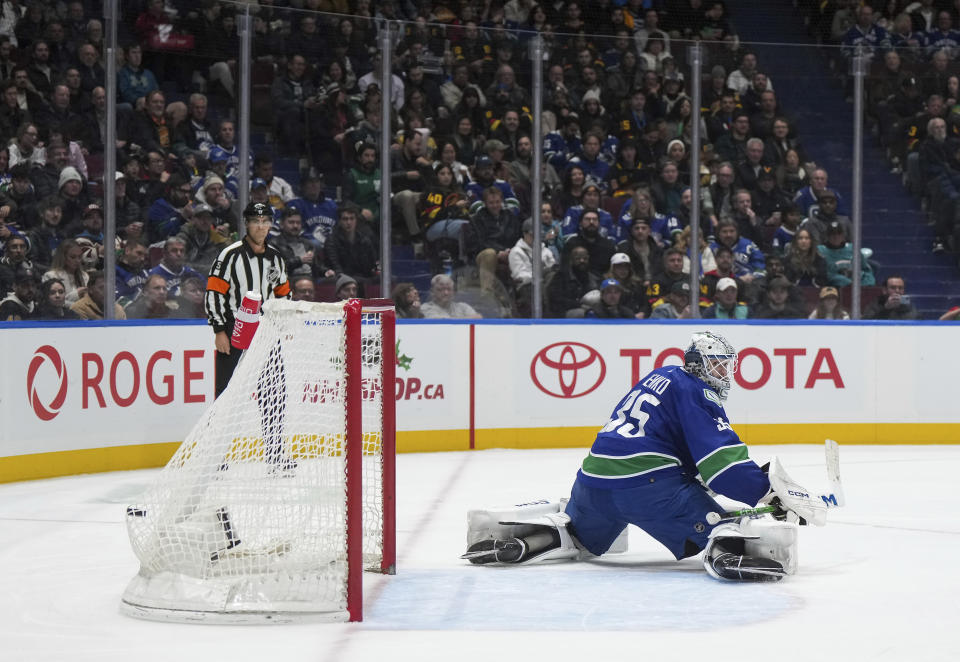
[(496, 384)]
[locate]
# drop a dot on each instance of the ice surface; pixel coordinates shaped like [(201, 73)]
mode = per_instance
[(879, 582)]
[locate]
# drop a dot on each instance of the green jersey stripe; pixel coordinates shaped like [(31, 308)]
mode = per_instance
[(609, 466), (719, 460)]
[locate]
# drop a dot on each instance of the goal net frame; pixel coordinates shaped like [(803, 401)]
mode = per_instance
[(185, 513)]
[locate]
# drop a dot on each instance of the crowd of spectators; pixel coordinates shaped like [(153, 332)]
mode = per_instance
[(617, 127)]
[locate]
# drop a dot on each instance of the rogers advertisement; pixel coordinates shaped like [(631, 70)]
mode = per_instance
[(76, 387)]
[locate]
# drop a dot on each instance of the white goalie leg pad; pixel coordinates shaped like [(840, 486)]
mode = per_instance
[(794, 497), (763, 537), (535, 522)]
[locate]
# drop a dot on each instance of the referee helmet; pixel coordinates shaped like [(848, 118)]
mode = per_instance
[(257, 209)]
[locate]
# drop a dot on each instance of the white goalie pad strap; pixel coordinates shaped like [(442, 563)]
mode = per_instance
[(794, 496), (763, 537)]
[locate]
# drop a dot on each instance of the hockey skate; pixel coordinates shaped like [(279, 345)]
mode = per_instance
[(511, 550), (737, 567)]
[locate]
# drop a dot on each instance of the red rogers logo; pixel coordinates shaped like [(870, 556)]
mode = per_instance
[(47, 412), (567, 369)]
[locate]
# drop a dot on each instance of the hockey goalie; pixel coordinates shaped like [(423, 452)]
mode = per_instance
[(665, 448)]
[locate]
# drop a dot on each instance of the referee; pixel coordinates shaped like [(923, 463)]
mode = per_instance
[(248, 265)]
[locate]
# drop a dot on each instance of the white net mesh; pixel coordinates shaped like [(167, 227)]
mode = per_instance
[(249, 516)]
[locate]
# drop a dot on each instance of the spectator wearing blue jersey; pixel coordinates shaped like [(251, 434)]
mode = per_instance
[(588, 236), (662, 226), (943, 37), (594, 168), (318, 213), (749, 262), (590, 201), (809, 195), (131, 275), (167, 214), (173, 267), (869, 37), (563, 144), (483, 178)]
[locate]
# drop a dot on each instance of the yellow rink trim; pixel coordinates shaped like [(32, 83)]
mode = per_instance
[(143, 456)]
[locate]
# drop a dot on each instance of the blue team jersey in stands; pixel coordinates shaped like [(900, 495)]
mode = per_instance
[(672, 423)]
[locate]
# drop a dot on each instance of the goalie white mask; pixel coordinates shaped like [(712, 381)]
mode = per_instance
[(714, 360)]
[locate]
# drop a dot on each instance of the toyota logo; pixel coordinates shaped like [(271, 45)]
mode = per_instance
[(46, 412), (567, 369)]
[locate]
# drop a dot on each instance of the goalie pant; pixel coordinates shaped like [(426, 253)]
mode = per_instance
[(641, 468)]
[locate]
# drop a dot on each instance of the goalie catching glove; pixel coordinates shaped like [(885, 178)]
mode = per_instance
[(794, 503)]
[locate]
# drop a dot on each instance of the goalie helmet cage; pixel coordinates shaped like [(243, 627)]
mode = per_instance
[(284, 491)]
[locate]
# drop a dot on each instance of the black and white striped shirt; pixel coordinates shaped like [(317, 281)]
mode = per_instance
[(238, 270)]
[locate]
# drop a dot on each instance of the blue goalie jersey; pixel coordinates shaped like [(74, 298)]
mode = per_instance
[(672, 422)]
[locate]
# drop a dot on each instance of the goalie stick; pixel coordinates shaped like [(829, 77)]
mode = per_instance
[(834, 499)]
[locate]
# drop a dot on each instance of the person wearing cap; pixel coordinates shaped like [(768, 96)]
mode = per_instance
[(823, 214), (202, 240), (247, 265), (769, 202), (828, 306), (20, 303), (91, 236), (72, 193), (218, 161), (675, 304), (838, 254), (346, 287), (484, 178), (725, 304), (777, 304), (319, 213), (634, 289), (609, 305)]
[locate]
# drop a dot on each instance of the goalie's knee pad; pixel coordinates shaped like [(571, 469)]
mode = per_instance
[(752, 549)]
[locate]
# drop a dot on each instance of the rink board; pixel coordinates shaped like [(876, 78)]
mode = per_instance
[(83, 398)]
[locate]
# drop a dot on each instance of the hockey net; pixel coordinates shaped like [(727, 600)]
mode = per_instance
[(283, 492)]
